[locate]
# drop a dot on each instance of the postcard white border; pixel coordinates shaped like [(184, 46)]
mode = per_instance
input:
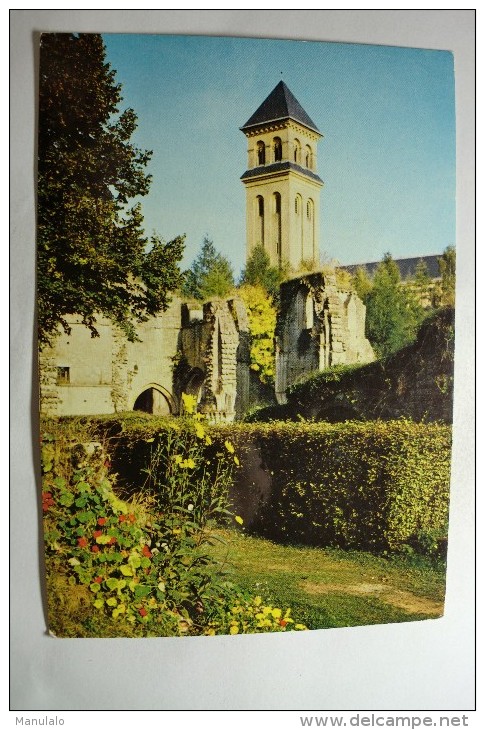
[(413, 666)]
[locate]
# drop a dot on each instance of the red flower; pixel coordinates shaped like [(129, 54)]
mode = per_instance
[(132, 518), (122, 518), (102, 520), (97, 533), (146, 551), (82, 542), (98, 579), (283, 622), (143, 612), (95, 549), (47, 501), (112, 541)]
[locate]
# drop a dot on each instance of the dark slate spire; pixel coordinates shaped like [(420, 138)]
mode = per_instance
[(280, 104)]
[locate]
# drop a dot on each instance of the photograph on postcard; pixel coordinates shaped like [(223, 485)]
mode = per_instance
[(245, 293)]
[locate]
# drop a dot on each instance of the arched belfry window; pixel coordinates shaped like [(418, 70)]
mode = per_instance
[(277, 149), (308, 156), (296, 151), (309, 209), (261, 150)]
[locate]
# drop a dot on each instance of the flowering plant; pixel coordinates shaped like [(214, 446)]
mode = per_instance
[(142, 567)]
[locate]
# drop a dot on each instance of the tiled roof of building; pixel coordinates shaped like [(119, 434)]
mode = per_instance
[(279, 105), (407, 267), (280, 167)]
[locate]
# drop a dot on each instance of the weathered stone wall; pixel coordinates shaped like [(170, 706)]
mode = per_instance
[(214, 343), (416, 382), (318, 326), (200, 351)]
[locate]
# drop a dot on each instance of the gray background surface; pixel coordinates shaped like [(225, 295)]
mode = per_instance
[(414, 666)]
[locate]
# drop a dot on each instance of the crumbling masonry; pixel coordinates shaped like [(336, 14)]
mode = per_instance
[(318, 326)]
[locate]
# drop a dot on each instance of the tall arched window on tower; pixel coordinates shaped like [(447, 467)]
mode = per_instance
[(260, 220), (277, 223), (296, 151), (308, 157), (261, 150), (277, 149), (310, 214), (298, 227)]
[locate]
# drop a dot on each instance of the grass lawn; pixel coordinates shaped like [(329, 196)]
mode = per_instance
[(328, 588)]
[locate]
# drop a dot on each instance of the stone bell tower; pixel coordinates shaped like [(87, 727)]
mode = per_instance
[(282, 185)]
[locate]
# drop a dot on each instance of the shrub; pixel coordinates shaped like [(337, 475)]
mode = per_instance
[(372, 486), (368, 485), (141, 566)]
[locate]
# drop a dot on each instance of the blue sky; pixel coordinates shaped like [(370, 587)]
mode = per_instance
[(387, 157)]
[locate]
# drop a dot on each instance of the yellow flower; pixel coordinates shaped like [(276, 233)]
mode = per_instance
[(189, 402), (185, 463), (301, 627), (234, 629), (239, 520), (276, 612), (211, 632), (229, 446), (236, 461), (257, 601), (178, 459), (208, 440), (199, 430)]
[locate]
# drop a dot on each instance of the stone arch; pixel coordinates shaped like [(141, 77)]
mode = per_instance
[(155, 399), (192, 383), (308, 157), (304, 309), (261, 152), (277, 149)]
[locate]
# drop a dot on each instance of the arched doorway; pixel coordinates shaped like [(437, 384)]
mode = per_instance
[(194, 382), (155, 399)]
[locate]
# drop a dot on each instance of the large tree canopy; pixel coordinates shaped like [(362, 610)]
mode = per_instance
[(93, 256), (393, 313)]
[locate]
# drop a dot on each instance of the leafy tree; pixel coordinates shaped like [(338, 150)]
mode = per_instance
[(392, 318), (210, 274), (262, 325), (447, 264), (362, 283), (259, 272), (422, 279), (92, 252)]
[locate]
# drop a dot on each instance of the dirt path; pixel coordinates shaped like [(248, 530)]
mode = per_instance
[(404, 600)]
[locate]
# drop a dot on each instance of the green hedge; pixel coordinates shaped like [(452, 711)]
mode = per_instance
[(372, 485)]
